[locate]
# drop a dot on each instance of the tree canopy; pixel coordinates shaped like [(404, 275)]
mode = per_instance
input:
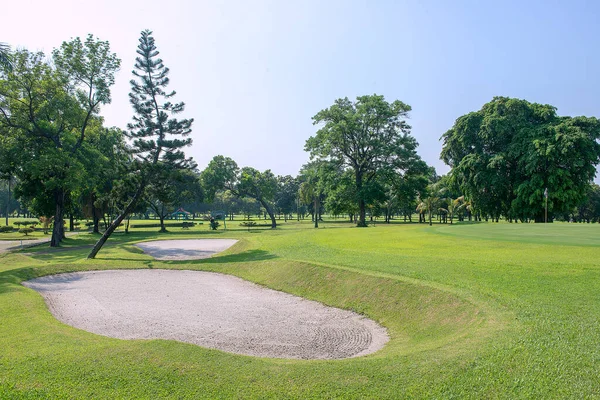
[(370, 136), (505, 156), (222, 173), (157, 136)]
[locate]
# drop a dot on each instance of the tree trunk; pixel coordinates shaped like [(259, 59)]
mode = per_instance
[(270, 212), (58, 229), (71, 223), (316, 206), (95, 216), (8, 201), (117, 221), (361, 202)]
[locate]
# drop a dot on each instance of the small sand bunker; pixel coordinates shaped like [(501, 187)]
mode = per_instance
[(208, 309), (188, 249)]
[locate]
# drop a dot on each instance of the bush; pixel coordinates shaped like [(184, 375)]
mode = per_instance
[(214, 224), (26, 223), (26, 231), (8, 228)]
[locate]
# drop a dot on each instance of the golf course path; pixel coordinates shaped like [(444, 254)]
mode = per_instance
[(208, 309), (186, 249)]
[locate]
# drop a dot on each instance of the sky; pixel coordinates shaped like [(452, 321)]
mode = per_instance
[(254, 73)]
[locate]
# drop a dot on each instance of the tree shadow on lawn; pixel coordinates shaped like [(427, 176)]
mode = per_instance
[(246, 256)]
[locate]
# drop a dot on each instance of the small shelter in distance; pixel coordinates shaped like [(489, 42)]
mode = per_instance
[(180, 213)]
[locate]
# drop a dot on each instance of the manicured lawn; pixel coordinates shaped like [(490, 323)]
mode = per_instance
[(473, 311)]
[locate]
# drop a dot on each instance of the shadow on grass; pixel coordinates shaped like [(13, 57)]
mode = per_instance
[(9, 280), (246, 256)]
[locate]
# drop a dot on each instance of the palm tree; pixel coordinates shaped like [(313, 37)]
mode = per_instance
[(5, 56), (454, 206), (427, 204)]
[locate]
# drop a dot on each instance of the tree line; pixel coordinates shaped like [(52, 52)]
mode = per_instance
[(512, 159)]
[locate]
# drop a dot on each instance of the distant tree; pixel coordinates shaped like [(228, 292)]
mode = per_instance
[(311, 191), (367, 136), (169, 189), (222, 173), (49, 107), (507, 154), (286, 195), (589, 209), (157, 139)]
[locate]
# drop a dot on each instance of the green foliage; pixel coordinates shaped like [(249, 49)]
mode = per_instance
[(505, 155), (6, 228), (157, 137), (222, 173), (50, 123), (5, 57), (369, 136), (214, 224), (26, 231)]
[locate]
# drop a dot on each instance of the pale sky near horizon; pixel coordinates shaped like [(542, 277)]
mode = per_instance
[(253, 73)]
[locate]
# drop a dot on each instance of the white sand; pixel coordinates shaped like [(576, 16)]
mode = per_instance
[(208, 309), (188, 249)]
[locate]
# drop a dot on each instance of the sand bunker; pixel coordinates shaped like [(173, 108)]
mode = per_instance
[(208, 309), (188, 249)]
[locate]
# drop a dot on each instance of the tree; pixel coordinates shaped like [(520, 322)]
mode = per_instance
[(157, 138), (507, 154), (222, 173), (368, 136), (311, 189), (169, 189), (49, 107), (5, 56), (286, 195)]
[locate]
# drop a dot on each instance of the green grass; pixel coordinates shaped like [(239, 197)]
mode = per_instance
[(473, 311)]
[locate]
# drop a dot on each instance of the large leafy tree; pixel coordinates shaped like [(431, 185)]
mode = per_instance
[(157, 136), (49, 107), (222, 173), (507, 154), (368, 136)]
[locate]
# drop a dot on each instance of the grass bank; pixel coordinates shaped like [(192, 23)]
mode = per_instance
[(472, 311)]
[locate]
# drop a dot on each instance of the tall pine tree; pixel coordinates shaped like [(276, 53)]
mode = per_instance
[(157, 138)]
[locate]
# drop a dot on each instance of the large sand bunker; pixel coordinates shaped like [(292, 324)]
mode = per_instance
[(187, 249), (208, 309)]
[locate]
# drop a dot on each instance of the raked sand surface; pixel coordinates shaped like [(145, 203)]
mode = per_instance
[(207, 309)]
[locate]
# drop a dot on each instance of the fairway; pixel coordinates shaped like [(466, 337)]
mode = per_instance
[(472, 311)]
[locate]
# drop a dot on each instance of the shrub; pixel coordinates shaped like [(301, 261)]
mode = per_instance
[(8, 228), (26, 231), (214, 224)]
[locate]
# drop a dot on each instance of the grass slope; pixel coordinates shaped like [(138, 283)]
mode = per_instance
[(482, 310)]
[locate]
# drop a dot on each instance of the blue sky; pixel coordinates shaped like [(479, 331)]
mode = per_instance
[(253, 73)]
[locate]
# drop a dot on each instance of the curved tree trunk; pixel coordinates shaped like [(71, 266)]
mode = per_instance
[(267, 207), (116, 222)]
